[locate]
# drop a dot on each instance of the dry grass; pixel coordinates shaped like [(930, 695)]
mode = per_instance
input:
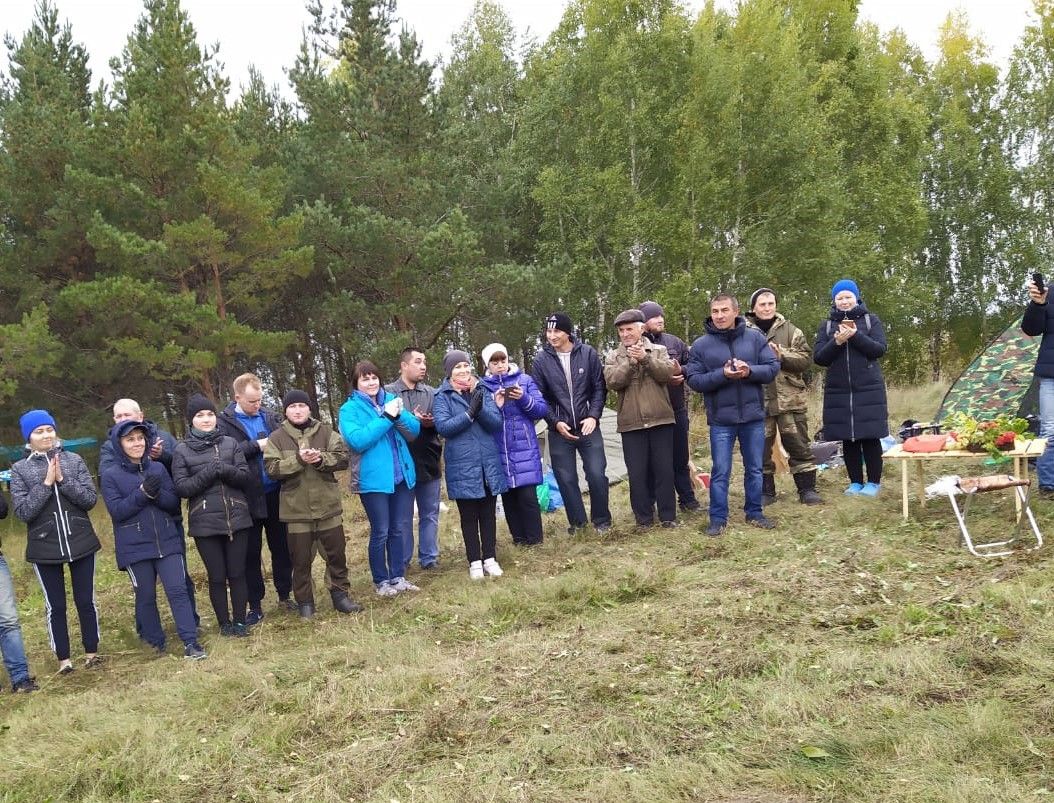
[(639, 667)]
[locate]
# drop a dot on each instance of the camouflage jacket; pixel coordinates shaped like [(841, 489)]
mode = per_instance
[(788, 393)]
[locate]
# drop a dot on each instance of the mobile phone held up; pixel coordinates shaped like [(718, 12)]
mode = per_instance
[(1037, 280)]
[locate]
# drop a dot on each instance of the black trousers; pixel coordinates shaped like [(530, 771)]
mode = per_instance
[(523, 515), (52, 579), (278, 545), (857, 454), (682, 474), (224, 560), (479, 527), (647, 454)]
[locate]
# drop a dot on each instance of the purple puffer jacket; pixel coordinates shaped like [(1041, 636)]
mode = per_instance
[(517, 442)]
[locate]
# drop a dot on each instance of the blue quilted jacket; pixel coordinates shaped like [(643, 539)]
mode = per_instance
[(471, 453), (517, 442)]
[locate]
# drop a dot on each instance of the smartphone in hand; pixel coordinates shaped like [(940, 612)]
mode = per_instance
[(1037, 280)]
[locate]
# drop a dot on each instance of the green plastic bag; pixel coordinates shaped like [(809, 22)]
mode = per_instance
[(543, 496)]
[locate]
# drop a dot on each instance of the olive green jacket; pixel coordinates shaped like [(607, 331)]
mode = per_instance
[(643, 399), (309, 492), (788, 393)]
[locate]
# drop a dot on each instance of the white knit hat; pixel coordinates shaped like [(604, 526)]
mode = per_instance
[(491, 350)]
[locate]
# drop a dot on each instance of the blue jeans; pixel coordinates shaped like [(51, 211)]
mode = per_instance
[(1045, 463), (427, 496), (594, 462), (11, 647), (752, 446), (388, 517)]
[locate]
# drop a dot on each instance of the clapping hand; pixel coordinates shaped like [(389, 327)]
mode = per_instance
[(393, 407)]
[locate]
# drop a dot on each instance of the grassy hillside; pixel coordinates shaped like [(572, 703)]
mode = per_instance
[(845, 656)]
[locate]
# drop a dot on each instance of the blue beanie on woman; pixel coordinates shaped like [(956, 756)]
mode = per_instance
[(845, 284)]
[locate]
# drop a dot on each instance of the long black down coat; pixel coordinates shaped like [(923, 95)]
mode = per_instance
[(212, 473), (854, 391)]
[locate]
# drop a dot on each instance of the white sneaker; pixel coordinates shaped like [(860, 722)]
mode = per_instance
[(402, 584), (475, 570), (491, 567), (385, 589)]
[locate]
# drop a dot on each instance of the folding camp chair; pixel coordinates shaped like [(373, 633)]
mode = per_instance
[(971, 487)]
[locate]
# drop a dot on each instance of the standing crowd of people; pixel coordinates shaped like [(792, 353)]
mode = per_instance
[(246, 471)]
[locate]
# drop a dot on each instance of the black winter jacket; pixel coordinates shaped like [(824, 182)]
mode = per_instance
[(587, 381), (57, 523), (227, 424), (212, 473), (854, 390), (1039, 320), (678, 351)]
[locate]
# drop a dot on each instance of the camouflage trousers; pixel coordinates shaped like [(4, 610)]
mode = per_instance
[(794, 435)]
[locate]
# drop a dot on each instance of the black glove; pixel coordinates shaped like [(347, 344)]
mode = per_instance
[(151, 485), (228, 471), (475, 401)]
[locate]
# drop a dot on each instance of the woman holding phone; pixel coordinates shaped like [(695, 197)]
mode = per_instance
[(52, 492), (468, 417), (849, 345), (521, 404)]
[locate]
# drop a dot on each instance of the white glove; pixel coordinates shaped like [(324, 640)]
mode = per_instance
[(393, 407)]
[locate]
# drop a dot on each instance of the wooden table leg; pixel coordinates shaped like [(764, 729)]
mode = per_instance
[(904, 487), (1020, 470), (922, 483)]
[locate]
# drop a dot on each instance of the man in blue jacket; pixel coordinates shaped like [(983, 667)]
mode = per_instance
[(729, 365), (571, 378), (250, 424), (1039, 320)]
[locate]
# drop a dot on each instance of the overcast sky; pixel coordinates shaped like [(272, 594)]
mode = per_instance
[(267, 33)]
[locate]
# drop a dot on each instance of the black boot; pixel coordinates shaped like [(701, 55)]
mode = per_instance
[(806, 485), (768, 489), (343, 603), (307, 610)]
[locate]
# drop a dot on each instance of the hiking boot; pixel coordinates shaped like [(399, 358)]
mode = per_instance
[(25, 686), (475, 570), (307, 610), (254, 617), (193, 652), (491, 568), (762, 523), (715, 528), (768, 489), (806, 485), (341, 603)]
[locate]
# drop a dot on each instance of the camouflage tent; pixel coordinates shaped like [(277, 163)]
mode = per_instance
[(999, 380)]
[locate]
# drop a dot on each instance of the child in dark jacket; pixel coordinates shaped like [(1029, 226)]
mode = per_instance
[(210, 470), (52, 492), (142, 501), (521, 404)]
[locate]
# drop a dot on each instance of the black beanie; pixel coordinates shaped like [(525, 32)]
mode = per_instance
[(759, 292), (197, 403), (293, 397), (560, 321)]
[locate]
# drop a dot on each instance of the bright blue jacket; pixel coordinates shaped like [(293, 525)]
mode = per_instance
[(517, 442), (730, 402), (143, 528), (470, 453), (365, 429)]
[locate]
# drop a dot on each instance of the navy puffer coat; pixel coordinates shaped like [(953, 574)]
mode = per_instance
[(517, 442), (470, 453), (143, 528), (854, 390), (730, 402)]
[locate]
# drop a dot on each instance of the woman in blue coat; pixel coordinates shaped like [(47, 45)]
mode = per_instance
[(849, 344), (467, 416), (521, 404), (381, 471), (142, 501)]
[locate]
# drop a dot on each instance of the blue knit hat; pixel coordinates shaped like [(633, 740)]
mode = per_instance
[(33, 419), (845, 284)]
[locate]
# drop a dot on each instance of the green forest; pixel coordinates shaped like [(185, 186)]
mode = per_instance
[(161, 234)]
